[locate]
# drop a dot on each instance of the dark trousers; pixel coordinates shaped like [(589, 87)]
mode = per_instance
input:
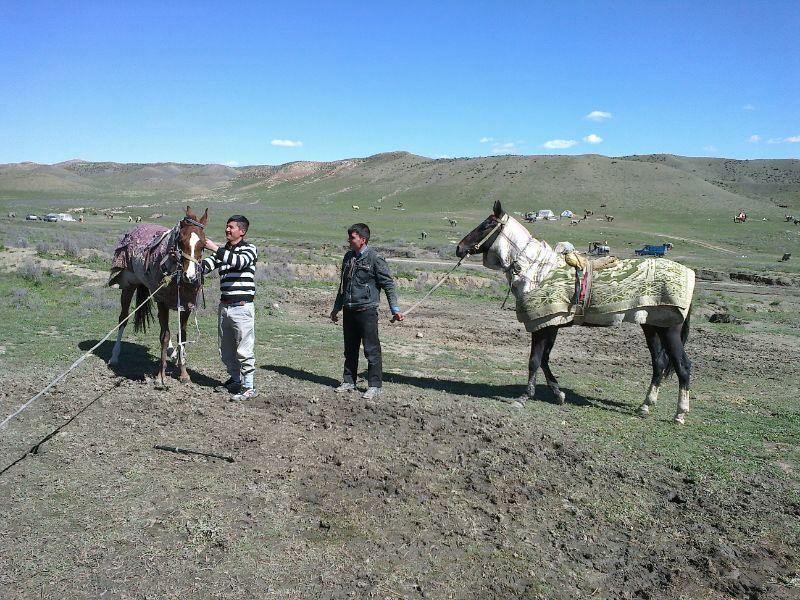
[(362, 326)]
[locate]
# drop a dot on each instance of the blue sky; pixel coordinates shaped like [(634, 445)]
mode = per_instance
[(266, 83)]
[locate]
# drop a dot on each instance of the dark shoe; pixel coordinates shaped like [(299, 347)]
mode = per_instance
[(229, 387)]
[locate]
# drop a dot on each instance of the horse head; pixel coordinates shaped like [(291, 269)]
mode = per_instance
[(191, 241), (480, 239)]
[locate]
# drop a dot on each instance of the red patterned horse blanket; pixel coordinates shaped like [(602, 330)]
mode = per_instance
[(143, 257)]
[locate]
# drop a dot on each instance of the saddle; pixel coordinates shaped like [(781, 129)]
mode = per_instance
[(584, 269)]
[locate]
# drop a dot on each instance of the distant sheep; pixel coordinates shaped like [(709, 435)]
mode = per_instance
[(355, 207), (574, 222)]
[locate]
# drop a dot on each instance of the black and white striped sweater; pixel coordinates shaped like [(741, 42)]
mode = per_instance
[(237, 270)]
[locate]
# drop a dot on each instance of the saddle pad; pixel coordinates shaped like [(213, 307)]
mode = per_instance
[(626, 285)]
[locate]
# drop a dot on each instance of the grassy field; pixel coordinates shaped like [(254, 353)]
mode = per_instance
[(442, 489)]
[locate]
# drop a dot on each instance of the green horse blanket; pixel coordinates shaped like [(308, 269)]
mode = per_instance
[(627, 285)]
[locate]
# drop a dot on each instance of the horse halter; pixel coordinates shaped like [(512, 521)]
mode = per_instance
[(498, 226)]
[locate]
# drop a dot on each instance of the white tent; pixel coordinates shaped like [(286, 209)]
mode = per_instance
[(568, 214), (545, 214)]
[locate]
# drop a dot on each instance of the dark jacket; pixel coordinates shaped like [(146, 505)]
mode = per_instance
[(362, 279)]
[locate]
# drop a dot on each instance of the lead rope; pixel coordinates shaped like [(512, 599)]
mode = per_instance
[(475, 248), (82, 358)]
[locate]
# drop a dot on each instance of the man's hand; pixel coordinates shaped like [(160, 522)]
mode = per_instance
[(211, 245), (335, 316), (398, 316)]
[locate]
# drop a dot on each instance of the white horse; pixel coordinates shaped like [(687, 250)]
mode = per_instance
[(507, 246)]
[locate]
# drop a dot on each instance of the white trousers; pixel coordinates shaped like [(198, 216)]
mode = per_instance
[(237, 337)]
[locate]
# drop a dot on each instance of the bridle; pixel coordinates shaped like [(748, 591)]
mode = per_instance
[(501, 222), (185, 255)]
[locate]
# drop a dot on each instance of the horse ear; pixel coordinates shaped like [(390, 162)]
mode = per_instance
[(188, 209), (498, 209), (204, 218)]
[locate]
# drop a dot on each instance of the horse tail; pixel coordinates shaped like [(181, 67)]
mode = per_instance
[(684, 338), (144, 309)]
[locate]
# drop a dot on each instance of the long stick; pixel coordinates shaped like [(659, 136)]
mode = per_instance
[(178, 450)]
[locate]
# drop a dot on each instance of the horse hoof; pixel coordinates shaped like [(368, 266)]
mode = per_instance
[(561, 397), (186, 379), (643, 411), (680, 419), (112, 363)]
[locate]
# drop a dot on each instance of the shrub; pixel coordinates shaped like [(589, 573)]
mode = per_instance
[(22, 298), (31, 271), (43, 248), (22, 242), (71, 247), (98, 300)]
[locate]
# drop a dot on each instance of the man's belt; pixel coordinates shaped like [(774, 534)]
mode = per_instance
[(234, 302)]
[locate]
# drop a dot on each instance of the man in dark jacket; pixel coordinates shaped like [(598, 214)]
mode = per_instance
[(364, 274)]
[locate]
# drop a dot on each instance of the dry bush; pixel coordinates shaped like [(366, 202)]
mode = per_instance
[(31, 272)]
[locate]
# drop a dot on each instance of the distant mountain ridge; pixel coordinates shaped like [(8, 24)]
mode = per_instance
[(563, 177)]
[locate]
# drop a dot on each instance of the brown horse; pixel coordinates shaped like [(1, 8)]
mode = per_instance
[(149, 256)]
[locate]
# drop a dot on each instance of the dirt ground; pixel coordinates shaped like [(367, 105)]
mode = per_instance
[(436, 490)]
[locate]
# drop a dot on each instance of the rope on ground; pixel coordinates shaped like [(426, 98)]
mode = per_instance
[(82, 358)]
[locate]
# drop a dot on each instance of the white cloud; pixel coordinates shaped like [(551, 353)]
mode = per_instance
[(592, 138), (504, 148), (748, 107), (598, 115), (559, 144), (754, 139), (792, 139), (486, 139), (287, 143), (232, 163)]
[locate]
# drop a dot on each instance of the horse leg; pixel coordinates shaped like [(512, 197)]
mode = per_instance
[(163, 321), (552, 382), (538, 343), (673, 344), (184, 318), (125, 306), (660, 361)]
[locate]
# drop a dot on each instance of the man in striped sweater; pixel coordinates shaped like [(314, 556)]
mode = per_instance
[(236, 262)]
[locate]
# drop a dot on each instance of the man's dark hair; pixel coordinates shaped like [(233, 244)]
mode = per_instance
[(242, 221), (361, 229)]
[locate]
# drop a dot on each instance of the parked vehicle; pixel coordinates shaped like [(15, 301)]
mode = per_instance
[(32, 218), (652, 250), (599, 248), (50, 218)]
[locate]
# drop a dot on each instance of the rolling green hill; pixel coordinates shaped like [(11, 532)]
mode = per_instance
[(691, 201)]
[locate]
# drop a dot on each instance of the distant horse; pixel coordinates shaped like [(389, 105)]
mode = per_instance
[(574, 222), (423, 235), (138, 219), (740, 218), (355, 207), (532, 268), (147, 256), (452, 222), (609, 218)]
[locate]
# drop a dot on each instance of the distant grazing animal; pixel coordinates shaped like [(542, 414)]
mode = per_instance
[(355, 207), (796, 221), (658, 298), (130, 219), (602, 206), (574, 222), (423, 234), (452, 222), (587, 213), (789, 218), (786, 256), (12, 215), (138, 219), (376, 207), (80, 219), (141, 260), (399, 205), (609, 218), (740, 218)]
